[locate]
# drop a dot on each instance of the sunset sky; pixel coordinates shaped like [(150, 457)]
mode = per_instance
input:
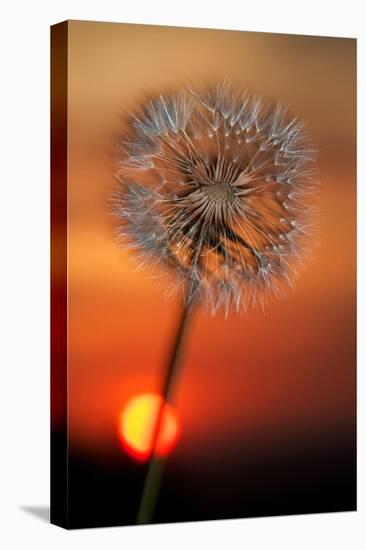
[(259, 380)]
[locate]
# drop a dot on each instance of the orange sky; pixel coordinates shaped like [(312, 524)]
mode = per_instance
[(288, 369)]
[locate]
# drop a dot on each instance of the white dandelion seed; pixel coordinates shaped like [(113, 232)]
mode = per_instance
[(216, 187)]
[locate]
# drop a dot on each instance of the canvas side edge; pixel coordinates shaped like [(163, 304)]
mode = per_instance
[(58, 389)]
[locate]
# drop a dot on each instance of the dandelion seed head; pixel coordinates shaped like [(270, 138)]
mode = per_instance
[(214, 187)]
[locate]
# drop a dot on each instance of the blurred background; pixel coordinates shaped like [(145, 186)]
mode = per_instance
[(266, 401)]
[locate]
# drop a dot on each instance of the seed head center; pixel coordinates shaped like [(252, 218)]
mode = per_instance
[(222, 193)]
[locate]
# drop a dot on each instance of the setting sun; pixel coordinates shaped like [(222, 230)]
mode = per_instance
[(136, 426)]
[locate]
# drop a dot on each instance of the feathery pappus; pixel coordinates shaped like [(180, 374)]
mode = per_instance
[(217, 187)]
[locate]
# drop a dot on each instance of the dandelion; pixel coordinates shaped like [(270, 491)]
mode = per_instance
[(216, 188)]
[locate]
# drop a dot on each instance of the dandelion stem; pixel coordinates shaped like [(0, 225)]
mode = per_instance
[(156, 464)]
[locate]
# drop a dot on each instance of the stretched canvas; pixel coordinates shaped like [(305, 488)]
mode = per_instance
[(203, 274)]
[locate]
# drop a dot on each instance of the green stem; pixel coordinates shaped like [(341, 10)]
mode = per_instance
[(156, 465)]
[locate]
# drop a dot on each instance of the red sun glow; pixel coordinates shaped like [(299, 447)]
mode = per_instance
[(137, 424)]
